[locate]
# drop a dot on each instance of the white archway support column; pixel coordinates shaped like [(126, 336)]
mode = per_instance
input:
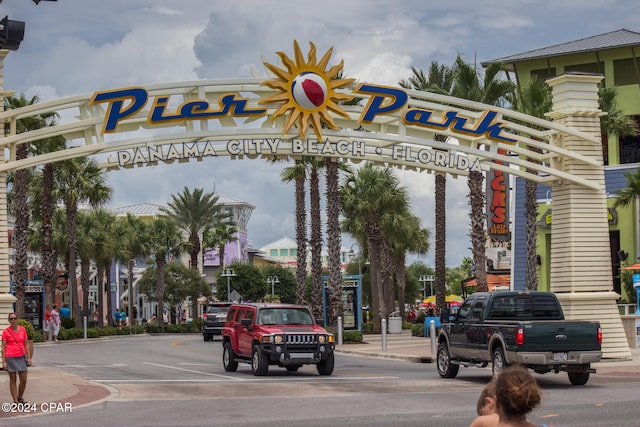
[(6, 299), (581, 271)]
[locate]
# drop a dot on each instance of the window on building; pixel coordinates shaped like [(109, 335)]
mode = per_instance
[(273, 252), (629, 147), (544, 73), (284, 252), (293, 252), (625, 72), (592, 67)]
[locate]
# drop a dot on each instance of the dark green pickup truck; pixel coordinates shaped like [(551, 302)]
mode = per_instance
[(528, 328)]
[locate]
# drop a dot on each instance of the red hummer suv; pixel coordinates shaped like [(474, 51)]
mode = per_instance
[(265, 334)]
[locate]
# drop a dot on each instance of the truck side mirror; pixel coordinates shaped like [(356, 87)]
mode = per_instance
[(444, 315)]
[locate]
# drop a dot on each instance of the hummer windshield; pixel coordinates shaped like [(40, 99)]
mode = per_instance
[(285, 316)]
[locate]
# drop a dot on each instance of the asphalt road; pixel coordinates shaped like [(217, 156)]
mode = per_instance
[(179, 380)]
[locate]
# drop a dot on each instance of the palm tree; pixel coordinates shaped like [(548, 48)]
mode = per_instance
[(615, 122), (439, 80), (298, 174), (194, 212), (366, 197), (218, 237), (534, 99), (85, 233), (316, 235), (43, 207), (78, 181), (411, 237), (165, 242), (468, 84), (108, 245), (132, 232), (631, 192), (20, 190), (334, 285)]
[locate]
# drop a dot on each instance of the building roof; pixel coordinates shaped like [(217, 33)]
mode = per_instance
[(610, 40), (283, 243), (228, 201), (139, 209)]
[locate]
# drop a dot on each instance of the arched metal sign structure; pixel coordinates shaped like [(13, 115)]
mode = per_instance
[(272, 118)]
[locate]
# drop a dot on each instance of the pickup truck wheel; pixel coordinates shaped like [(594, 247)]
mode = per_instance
[(578, 378), (446, 369), (229, 358), (498, 361), (207, 337), (325, 367), (259, 363)]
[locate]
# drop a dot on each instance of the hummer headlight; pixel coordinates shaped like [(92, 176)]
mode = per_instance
[(278, 339), (322, 339)]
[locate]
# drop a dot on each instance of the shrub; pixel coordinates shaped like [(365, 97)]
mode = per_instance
[(31, 332), (67, 322), (352, 336), (417, 330), (93, 333), (367, 328), (39, 336), (107, 331), (197, 324), (153, 329)]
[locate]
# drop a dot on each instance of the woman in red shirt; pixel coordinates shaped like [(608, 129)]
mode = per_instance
[(15, 356), (47, 320)]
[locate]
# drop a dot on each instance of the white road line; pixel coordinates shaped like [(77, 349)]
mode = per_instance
[(251, 378), (187, 370), (113, 365)]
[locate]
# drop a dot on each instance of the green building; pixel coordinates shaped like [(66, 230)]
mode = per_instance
[(616, 56)]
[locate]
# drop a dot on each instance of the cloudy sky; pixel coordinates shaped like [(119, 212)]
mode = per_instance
[(74, 47)]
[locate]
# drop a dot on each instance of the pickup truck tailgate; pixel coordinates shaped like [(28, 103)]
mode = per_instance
[(564, 336)]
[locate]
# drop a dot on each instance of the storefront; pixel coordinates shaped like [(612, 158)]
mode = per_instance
[(33, 301)]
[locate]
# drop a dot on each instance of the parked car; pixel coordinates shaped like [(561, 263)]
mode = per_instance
[(285, 335), (525, 327), (213, 318)]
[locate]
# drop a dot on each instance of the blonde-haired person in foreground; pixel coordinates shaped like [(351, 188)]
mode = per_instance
[(517, 394)]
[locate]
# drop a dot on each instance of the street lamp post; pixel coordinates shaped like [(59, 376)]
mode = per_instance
[(423, 279), (352, 254), (228, 273), (272, 280)]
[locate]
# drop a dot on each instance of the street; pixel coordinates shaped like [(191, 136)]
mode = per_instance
[(180, 380)]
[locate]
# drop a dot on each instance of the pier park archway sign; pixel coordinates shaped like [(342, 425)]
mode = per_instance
[(302, 109)]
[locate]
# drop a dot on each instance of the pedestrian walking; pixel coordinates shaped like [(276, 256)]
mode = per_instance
[(55, 322), (15, 357), (47, 320)]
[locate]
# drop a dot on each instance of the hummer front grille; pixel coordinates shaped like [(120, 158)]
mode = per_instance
[(301, 339)]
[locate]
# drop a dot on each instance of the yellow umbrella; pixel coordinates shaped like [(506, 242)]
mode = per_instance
[(448, 298)]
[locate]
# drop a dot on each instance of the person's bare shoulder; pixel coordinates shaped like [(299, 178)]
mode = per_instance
[(491, 420)]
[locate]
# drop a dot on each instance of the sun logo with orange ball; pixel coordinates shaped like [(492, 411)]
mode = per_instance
[(307, 90)]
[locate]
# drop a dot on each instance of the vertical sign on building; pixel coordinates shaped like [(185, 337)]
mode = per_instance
[(498, 204)]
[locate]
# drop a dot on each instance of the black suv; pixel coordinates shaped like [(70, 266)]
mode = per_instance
[(213, 318)]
